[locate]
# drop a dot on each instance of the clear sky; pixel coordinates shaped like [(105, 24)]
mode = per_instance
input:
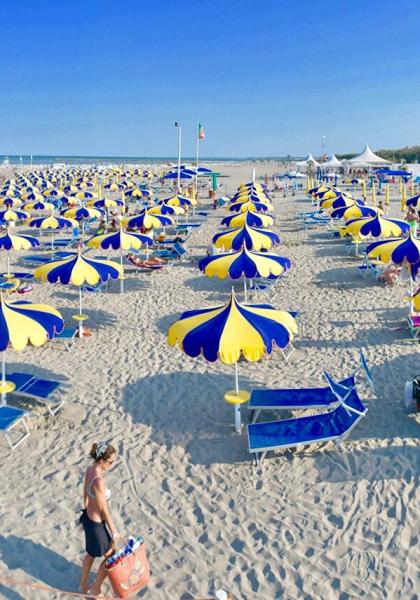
[(265, 77)]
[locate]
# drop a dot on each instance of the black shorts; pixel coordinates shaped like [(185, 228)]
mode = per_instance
[(98, 538)]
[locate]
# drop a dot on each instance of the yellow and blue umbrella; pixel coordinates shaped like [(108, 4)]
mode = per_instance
[(353, 211), (78, 270), (120, 240), (39, 205), (233, 330), (147, 220), (33, 197), (179, 200), (250, 218), (244, 263), (339, 201), (23, 323), (413, 201), (376, 227), (105, 203), (255, 206), (166, 209), (52, 223), (16, 242), (9, 202), (13, 215), (251, 237)]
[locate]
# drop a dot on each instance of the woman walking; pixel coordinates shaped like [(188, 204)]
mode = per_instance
[(100, 531)]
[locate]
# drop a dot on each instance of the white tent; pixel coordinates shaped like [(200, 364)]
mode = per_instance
[(331, 162), (308, 160), (367, 158)]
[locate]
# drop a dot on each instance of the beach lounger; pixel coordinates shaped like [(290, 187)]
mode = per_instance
[(414, 326), (265, 286), (67, 337), (13, 425), (294, 398), (42, 259), (290, 433), (177, 252), (44, 391)]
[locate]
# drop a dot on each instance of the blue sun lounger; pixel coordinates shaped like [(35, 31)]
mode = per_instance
[(290, 433), (177, 252), (42, 259), (67, 336), (10, 420), (294, 399), (44, 391)]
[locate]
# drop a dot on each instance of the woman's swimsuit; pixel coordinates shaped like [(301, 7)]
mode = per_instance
[(98, 538)]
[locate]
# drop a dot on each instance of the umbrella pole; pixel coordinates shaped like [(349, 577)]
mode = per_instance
[(238, 425), (3, 376), (122, 272), (245, 298), (8, 264), (52, 242), (411, 295), (80, 313)]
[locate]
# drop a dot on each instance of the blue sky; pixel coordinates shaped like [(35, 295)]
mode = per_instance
[(265, 78)]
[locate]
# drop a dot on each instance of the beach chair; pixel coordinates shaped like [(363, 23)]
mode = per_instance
[(13, 425), (414, 326), (294, 398), (176, 253), (66, 337), (335, 426), (265, 286), (44, 391), (144, 264), (94, 289), (42, 259)]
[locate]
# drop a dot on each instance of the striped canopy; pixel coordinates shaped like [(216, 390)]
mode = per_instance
[(179, 200), (229, 331), (85, 212), (52, 222), (354, 211), (252, 238), (23, 323), (13, 215), (17, 242), (78, 269), (147, 220), (8, 201), (120, 240), (33, 197), (250, 218), (376, 227), (250, 205), (105, 203), (398, 251), (40, 205), (166, 209), (244, 263), (339, 202)]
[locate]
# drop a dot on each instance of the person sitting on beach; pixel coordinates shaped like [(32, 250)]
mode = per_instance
[(99, 528)]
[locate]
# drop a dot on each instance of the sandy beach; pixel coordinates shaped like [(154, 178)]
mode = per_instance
[(318, 523)]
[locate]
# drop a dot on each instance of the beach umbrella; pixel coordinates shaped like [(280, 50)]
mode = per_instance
[(13, 215), (52, 223), (250, 205), (253, 238), (123, 241), (82, 214), (179, 200), (9, 202), (230, 331), (376, 227), (165, 209), (403, 251), (250, 218), (353, 211), (147, 220), (105, 203), (16, 242), (244, 263), (84, 195), (413, 201), (33, 197), (339, 201), (23, 323), (78, 269), (39, 206)]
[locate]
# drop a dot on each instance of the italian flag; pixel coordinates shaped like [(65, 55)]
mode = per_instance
[(201, 134)]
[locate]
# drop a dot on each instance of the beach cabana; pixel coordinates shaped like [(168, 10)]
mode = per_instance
[(230, 332)]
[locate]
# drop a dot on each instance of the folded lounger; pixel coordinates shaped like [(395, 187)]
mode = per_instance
[(44, 391), (10, 418), (289, 433), (294, 399)]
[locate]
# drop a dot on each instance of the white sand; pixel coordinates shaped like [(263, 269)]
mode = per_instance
[(318, 523)]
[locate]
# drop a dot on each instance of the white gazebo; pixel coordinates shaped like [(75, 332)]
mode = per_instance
[(309, 160), (367, 158), (331, 162)]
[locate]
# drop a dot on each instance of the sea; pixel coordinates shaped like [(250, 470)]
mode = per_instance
[(38, 159)]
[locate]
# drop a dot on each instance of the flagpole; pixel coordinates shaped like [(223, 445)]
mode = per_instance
[(196, 160), (179, 156)]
